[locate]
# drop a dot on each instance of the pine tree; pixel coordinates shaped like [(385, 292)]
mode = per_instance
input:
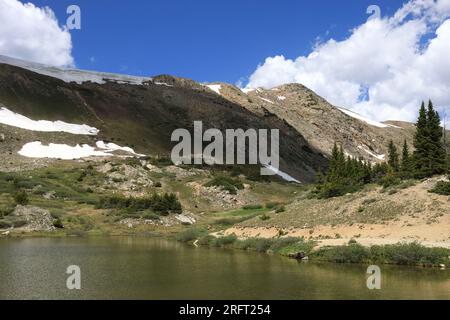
[(333, 170), (437, 154), (406, 168), (421, 144), (393, 157)]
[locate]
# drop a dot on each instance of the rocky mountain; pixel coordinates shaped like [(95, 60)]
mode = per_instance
[(107, 113), (321, 123)]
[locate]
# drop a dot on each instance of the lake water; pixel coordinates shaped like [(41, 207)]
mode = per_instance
[(146, 268)]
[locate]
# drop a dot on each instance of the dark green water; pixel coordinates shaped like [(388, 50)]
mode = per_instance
[(140, 268)]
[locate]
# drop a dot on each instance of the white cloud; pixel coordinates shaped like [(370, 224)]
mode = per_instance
[(389, 59), (31, 33)]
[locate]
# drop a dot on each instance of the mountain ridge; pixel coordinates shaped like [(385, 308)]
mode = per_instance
[(141, 113)]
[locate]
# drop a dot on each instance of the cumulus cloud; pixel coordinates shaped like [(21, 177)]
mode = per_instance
[(31, 33), (383, 70)]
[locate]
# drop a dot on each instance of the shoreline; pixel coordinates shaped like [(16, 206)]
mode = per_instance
[(315, 248)]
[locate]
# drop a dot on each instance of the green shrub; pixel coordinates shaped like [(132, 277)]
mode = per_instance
[(56, 213), (264, 217), (400, 254), (150, 215), (410, 254), (352, 253), (5, 224), (280, 209), (190, 234), (442, 188), (206, 240), (6, 211), (58, 224), (256, 244), (224, 241), (335, 189), (160, 204), (21, 197), (226, 183), (252, 207), (283, 242)]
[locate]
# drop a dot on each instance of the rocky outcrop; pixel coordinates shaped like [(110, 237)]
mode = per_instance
[(36, 219)]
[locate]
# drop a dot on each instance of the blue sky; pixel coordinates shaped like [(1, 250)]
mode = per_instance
[(203, 39)]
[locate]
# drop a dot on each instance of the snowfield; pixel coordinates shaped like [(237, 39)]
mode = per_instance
[(60, 151), (73, 75), (381, 157), (267, 100), (111, 147), (283, 175), (17, 120), (215, 87), (360, 117), (247, 90)]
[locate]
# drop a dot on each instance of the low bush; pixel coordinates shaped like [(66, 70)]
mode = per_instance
[(442, 188), (232, 185), (58, 224), (351, 253), (252, 207), (6, 211), (401, 254), (21, 197), (224, 241), (255, 244), (160, 204), (190, 234)]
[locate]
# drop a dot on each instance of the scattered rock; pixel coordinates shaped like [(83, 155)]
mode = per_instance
[(50, 195), (186, 218), (37, 219)]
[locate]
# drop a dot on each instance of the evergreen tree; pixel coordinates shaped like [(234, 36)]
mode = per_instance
[(333, 170), (406, 167), (430, 155), (393, 157), (421, 138), (437, 155)]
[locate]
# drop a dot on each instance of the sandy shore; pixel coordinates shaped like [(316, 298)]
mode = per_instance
[(430, 235)]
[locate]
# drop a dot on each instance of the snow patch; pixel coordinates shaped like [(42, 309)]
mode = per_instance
[(393, 126), (282, 174), (381, 157), (360, 117), (73, 75), (215, 87), (62, 151), (163, 84), (59, 151), (267, 100), (111, 147), (247, 90), (17, 120)]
